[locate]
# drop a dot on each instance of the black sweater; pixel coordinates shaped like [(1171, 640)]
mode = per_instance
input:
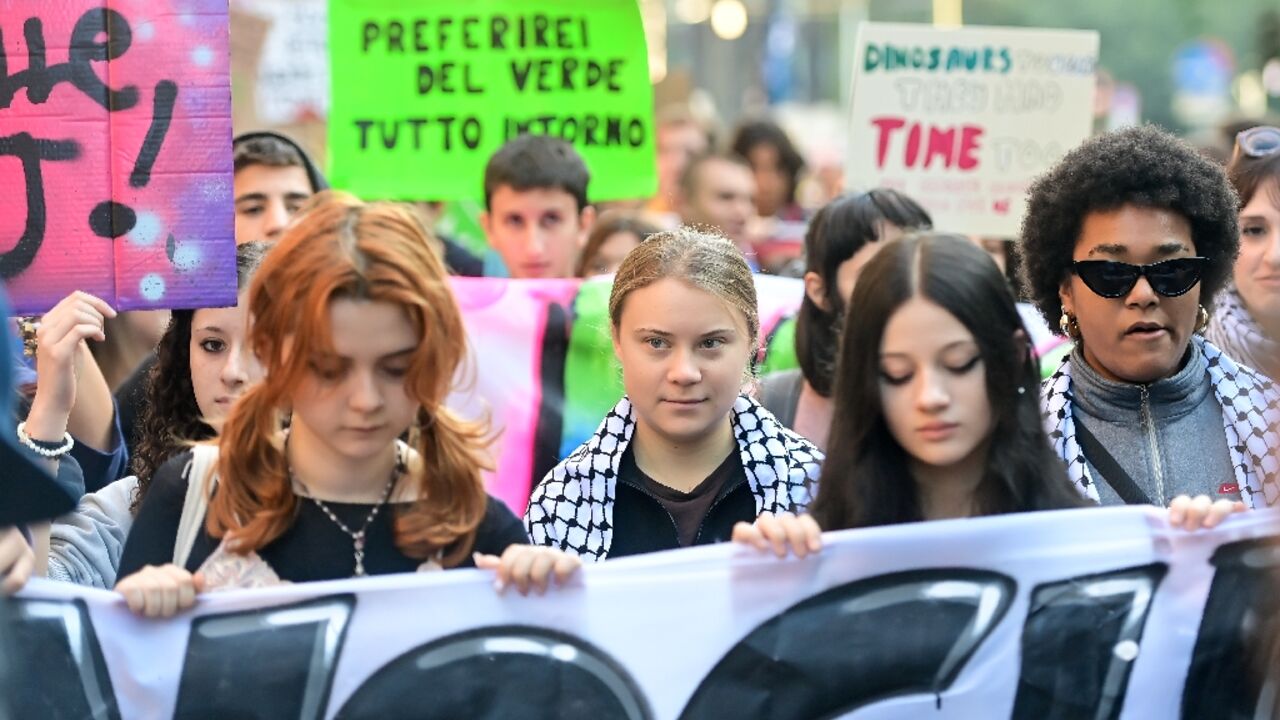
[(314, 548)]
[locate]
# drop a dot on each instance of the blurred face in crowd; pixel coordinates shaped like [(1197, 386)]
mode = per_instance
[(850, 269), (772, 184), (933, 387), (677, 143), (1257, 269), (608, 257), (684, 354), (538, 232), (222, 366), (1142, 336), (353, 403), (722, 197), (266, 197)]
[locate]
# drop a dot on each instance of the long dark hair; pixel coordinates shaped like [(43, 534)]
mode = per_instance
[(170, 419), (836, 233), (866, 479)]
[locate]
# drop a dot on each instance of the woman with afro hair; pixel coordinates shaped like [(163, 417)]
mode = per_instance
[(1125, 245)]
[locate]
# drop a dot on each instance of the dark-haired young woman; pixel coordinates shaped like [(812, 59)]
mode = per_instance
[(843, 236), (202, 365)]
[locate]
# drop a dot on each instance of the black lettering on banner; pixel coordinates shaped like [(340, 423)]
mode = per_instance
[(1079, 642), (272, 662), (31, 152), (1235, 668), (855, 644), (51, 665), (161, 117), (500, 672), (39, 78)]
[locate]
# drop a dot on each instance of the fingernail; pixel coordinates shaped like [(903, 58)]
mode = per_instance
[(499, 586)]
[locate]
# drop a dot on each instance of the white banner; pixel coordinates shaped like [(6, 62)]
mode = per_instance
[(963, 119), (1099, 613)]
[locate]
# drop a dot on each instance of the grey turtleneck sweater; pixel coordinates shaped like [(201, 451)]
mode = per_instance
[(1167, 435)]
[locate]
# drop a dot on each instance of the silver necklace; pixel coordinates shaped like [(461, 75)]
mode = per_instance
[(357, 536)]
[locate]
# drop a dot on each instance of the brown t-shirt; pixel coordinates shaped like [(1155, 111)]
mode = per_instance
[(687, 509)]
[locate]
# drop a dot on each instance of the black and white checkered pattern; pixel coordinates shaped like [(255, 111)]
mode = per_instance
[(1250, 416), (572, 508)]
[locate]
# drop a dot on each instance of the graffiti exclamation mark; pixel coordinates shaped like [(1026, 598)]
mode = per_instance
[(115, 219), (111, 219), (161, 116)]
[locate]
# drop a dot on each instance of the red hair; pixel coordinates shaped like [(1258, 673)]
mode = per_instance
[(341, 248)]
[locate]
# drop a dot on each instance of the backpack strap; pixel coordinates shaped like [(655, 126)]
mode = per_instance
[(201, 482)]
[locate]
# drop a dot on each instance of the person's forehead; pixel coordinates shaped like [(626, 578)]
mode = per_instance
[(724, 173), (508, 199), (271, 178)]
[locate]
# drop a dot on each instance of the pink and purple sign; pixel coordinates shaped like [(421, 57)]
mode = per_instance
[(115, 163)]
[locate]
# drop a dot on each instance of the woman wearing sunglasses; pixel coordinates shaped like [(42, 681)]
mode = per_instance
[(1126, 243), (1246, 317)]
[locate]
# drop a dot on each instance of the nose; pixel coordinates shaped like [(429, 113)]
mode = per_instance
[(535, 243), (365, 397), (1141, 294), (683, 368), (1272, 255), (235, 371), (277, 216), (931, 394)]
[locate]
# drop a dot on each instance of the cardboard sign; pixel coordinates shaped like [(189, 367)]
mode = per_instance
[(115, 163), (1101, 613), (423, 93), (962, 120)]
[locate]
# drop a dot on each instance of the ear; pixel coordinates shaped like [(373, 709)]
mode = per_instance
[(816, 290), (1065, 297), (1021, 344), (586, 219), (486, 224), (613, 336)]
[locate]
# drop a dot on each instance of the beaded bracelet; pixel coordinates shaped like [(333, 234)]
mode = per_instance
[(42, 448)]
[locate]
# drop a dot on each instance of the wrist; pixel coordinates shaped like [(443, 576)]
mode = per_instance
[(43, 448), (46, 424)]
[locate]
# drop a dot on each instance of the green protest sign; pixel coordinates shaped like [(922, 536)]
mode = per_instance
[(424, 92)]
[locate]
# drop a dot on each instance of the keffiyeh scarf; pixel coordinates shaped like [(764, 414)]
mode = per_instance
[(572, 508), (1233, 329), (1250, 416)]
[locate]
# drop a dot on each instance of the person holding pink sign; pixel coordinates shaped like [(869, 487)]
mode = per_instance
[(685, 454)]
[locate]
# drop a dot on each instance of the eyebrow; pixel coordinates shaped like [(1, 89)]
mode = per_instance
[(1167, 248), (209, 328), (259, 196), (664, 333), (949, 346)]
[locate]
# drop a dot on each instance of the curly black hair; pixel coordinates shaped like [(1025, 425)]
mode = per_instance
[(170, 418), (1143, 166)]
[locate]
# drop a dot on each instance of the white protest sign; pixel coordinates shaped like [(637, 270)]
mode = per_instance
[(293, 72), (963, 119), (1099, 613)]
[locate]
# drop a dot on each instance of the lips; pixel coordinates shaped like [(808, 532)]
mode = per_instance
[(937, 430), (685, 403), (1145, 330)]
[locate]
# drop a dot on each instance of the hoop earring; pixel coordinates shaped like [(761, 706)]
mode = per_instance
[(1202, 320), (1069, 326)]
